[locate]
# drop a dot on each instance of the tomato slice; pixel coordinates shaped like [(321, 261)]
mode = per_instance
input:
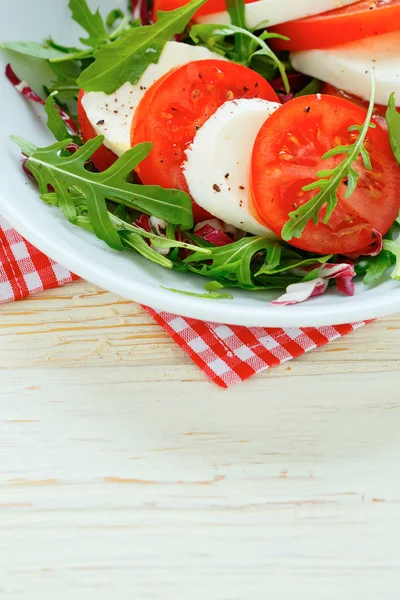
[(379, 109), (287, 155), (103, 158), (209, 8), (353, 22), (176, 106)]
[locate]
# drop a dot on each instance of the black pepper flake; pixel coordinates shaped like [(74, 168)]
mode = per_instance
[(197, 127), (241, 187), (101, 122), (115, 112), (307, 109), (216, 188), (115, 99), (161, 161), (200, 76), (226, 175), (142, 87), (245, 89), (174, 109), (256, 84)]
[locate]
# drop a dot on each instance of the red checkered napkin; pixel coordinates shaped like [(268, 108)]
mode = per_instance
[(227, 354)]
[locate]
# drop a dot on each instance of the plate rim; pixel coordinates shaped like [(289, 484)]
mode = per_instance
[(192, 307)]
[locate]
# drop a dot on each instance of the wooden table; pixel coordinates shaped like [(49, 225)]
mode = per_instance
[(124, 473)]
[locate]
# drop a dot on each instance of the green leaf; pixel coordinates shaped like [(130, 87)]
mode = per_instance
[(393, 123), (331, 179), (66, 75), (373, 268), (26, 147), (209, 296), (135, 241), (113, 16), (313, 87), (54, 121), (244, 46), (67, 174), (393, 246), (214, 35), (92, 23), (232, 262), (127, 58), (33, 49)]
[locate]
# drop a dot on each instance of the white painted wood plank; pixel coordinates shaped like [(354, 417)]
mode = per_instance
[(124, 473)]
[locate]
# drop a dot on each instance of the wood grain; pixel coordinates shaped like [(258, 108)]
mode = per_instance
[(124, 473)]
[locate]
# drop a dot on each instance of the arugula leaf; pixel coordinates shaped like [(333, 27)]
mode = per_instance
[(393, 123), (330, 180), (374, 267), (237, 13), (67, 174), (113, 16), (66, 76), (92, 23), (54, 121), (208, 296), (393, 246), (232, 262), (127, 58), (313, 87), (213, 36), (34, 49), (134, 240)]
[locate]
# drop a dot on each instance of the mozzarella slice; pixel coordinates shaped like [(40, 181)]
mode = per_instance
[(348, 67), (217, 168), (111, 115), (273, 12)]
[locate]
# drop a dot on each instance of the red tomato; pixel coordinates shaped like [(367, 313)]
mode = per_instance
[(362, 19), (379, 109), (287, 155), (177, 105), (210, 7), (103, 158)]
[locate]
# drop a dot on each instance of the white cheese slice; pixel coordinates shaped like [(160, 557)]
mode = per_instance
[(273, 12), (348, 66), (217, 168), (111, 115)]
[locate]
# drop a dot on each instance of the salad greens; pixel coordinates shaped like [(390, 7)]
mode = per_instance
[(112, 206), (393, 123), (127, 58)]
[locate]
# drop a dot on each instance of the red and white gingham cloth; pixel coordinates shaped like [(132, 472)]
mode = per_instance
[(227, 354)]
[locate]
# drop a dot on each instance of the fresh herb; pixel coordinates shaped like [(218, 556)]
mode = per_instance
[(55, 122), (313, 87), (127, 58), (92, 23), (373, 268), (67, 174), (215, 38), (329, 181), (393, 123), (207, 296), (391, 244)]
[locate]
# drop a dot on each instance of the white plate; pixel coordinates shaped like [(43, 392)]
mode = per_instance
[(128, 274)]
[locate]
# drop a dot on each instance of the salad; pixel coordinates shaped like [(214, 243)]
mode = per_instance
[(254, 144)]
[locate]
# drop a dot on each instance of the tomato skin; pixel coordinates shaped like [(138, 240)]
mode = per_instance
[(379, 109), (287, 155), (103, 158), (209, 8), (173, 109), (340, 26)]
